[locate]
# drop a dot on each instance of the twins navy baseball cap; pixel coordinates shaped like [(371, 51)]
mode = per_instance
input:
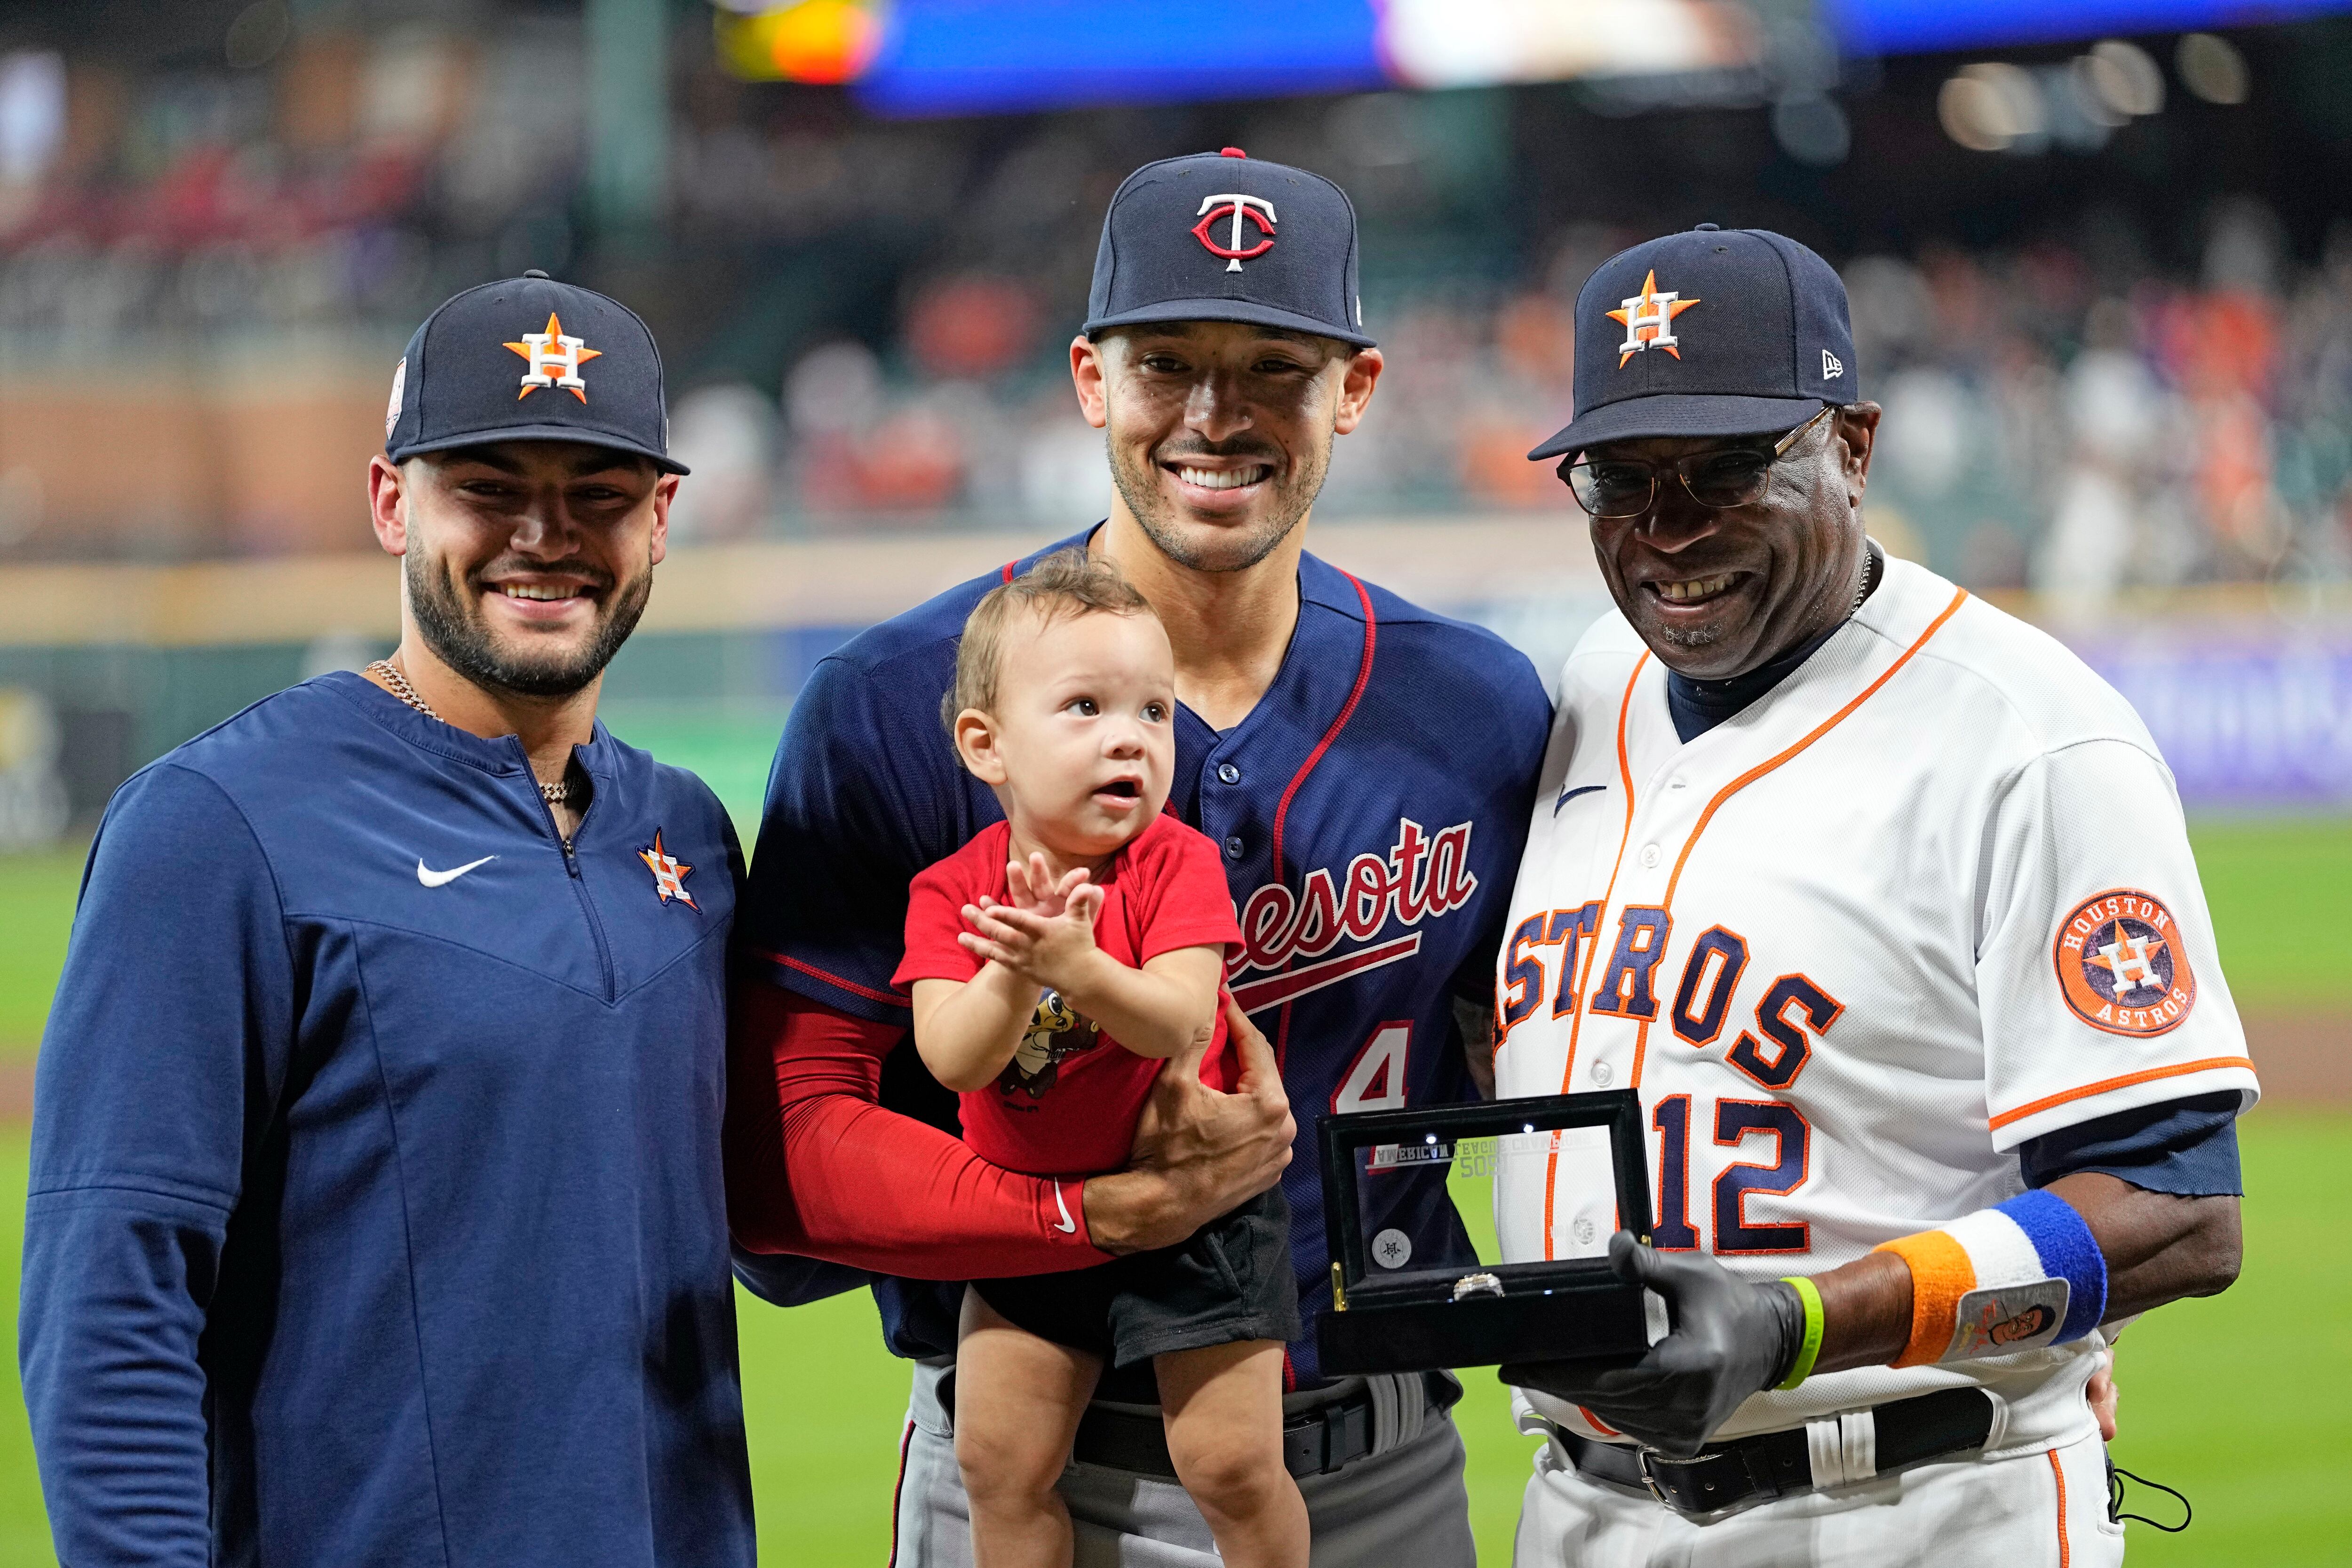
[(1222, 236), (1713, 332), (530, 359)]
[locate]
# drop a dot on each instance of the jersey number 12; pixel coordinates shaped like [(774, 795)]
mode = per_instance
[(1736, 1121)]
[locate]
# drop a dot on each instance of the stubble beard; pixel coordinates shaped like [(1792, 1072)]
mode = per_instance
[(1688, 637), (1224, 550), (451, 623)]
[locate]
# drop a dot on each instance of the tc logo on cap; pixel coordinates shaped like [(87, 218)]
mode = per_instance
[(1239, 207), (553, 350), (1649, 318)]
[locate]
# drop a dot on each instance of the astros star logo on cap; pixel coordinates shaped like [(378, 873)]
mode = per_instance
[(1649, 318), (554, 350)]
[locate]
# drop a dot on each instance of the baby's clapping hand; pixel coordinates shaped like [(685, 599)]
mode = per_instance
[(1045, 932), (1033, 888)]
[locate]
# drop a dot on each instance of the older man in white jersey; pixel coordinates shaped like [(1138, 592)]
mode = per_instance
[(1884, 903)]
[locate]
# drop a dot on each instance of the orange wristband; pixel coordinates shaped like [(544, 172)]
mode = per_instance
[(1941, 1273)]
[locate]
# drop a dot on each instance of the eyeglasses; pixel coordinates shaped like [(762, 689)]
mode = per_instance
[(1624, 487)]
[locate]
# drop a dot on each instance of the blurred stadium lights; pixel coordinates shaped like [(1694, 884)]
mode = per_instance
[(1994, 107), (2125, 79), (259, 31), (2212, 68), (32, 114)]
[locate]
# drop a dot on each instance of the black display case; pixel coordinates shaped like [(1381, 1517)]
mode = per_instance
[(1578, 1168)]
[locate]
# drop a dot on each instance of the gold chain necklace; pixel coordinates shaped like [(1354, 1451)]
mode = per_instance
[(559, 793)]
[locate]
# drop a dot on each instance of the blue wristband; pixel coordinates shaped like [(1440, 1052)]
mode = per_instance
[(2068, 1251)]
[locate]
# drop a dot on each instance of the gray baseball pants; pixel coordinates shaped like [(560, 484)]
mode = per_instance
[(1403, 1503)]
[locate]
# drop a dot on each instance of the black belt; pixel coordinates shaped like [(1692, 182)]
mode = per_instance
[(1750, 1470), (1314, 1442)]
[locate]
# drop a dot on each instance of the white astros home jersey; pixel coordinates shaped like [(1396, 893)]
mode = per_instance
[(1929, 898)]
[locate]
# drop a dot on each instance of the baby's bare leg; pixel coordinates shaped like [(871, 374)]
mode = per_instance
[(1222, 1404), (1017, 1403)]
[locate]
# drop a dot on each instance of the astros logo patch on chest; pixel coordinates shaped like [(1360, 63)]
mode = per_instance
[(669, 873)]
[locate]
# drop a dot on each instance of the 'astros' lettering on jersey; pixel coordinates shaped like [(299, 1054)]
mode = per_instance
[(1930, 897)]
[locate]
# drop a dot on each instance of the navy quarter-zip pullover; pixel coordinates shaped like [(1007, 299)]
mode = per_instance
[(375, 1211)]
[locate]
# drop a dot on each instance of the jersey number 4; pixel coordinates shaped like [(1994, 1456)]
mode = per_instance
[(1736, 1121), (1375, 1080)]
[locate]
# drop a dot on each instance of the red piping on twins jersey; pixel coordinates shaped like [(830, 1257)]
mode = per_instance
[(1347, 710), (1282, 810)]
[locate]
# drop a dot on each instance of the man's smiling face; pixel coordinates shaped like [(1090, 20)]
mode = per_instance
[(1715, 593), (529, 562), (1219, 432)]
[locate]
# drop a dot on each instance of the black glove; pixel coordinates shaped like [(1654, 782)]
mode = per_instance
[(1729, 1338)]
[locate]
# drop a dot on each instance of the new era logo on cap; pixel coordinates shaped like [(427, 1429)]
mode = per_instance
[(459, 384), (1221, 236), (1770, 344)]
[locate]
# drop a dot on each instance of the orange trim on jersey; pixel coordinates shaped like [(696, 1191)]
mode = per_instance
[(1592, 942), (2205, 1064), (2058, 1474), (1960, 597), (1624, 835)]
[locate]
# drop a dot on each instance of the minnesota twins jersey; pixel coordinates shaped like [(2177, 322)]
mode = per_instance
[(1929, 898), (1369, 810)]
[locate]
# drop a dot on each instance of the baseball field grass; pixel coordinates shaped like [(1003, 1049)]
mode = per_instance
[(2238, 1401)]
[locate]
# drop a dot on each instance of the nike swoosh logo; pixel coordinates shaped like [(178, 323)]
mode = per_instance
[(1568, 795), (438, 879), (1068, 1225)]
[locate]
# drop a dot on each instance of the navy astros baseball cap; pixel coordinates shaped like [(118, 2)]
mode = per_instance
[(1719, 331), (530, 359), (1222, 236)]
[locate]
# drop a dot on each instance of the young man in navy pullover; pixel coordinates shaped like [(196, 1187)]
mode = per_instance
[(376, 1215)]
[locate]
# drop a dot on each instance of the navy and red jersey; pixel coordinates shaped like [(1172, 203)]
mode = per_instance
[(1066, 1104), (1370, 811)]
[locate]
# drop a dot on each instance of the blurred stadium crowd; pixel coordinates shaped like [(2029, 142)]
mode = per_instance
[(208, 271)]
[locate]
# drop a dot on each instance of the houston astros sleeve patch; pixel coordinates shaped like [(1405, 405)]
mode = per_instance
[(2122, 966)]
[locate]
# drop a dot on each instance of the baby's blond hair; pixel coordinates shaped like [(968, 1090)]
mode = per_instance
[(1066, 582)]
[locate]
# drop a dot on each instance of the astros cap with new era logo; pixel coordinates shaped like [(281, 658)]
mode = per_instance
[(1222, 236), (1736, 332), (530, 359)]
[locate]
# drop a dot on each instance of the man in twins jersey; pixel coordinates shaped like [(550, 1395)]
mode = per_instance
[(1341, 745), (1884, 903)]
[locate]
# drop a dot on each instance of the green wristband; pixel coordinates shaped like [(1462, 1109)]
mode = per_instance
[(1809, 1350)]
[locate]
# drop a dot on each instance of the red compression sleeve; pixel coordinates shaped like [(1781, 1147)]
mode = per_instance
[(816, 1166)]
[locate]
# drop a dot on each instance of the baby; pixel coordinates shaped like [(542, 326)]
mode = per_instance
[(1055, 963)]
